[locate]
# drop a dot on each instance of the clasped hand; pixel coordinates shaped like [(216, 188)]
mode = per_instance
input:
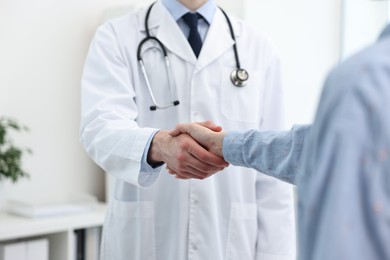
[(191, 150)]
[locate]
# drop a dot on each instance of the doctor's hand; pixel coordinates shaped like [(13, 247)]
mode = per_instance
[(184, 155), (206, 134)]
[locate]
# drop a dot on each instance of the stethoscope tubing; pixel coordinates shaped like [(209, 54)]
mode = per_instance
[(238, 65)]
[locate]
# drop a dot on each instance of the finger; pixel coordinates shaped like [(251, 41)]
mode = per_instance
[(193, 174), (193, 168), (180, 129), (187, 128), (170, 171), (177, 175), (210, 125), (181, 177), (197, 169), (204, 168), (199, 158), (189, 175), (206, 157)]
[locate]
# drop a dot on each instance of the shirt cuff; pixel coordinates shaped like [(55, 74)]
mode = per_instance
[(232, 147), (148, 173)]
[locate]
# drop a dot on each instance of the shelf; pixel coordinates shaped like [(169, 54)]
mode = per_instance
[(59, 230), (15, 227)]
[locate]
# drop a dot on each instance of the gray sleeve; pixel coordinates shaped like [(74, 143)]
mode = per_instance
[(275, 153)]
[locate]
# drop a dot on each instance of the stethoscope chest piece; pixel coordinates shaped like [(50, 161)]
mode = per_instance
[(239, 77)]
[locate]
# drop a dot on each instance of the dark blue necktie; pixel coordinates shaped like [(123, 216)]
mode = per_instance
[(191, 19)]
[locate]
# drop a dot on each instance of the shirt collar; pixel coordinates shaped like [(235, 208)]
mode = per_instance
[(177, 9)]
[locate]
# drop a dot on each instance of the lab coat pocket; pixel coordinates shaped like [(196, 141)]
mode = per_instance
[(130, 231), (242, 231), (241, 104)]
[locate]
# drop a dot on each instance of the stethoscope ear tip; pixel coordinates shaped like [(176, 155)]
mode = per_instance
[(174, 103)]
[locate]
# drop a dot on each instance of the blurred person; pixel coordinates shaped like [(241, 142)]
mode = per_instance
[(340, 164)]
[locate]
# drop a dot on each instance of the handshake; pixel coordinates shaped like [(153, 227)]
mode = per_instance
[(190, 151)]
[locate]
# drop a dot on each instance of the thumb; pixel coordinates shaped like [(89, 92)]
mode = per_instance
[(180, 129), (186, 128), (210, 125)]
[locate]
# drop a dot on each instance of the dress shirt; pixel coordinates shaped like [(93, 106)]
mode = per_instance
[(207, 11)]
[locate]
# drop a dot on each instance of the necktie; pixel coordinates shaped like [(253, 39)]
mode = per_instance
[(191, 19)]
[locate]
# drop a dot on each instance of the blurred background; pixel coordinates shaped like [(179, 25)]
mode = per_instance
[(43, 44)]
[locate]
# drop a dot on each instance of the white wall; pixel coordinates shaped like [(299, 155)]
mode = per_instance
[(388, 11), (42, 48), (312, 37), (362, 22), (306, 34)]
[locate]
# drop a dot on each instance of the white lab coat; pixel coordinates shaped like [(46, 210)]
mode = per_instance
[(237, 214)]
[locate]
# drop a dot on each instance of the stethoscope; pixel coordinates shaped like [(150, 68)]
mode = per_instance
[(238, 76)]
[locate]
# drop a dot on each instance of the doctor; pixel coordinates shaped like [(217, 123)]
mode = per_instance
[(148, 71)]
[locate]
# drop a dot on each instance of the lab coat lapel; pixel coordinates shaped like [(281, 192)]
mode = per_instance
[(169, 33), (218, 40)]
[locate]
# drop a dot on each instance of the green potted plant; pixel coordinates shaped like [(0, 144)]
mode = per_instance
[(10, 153)]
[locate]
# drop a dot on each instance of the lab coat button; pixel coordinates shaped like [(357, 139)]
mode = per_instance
[(195, 202), (194, 247)]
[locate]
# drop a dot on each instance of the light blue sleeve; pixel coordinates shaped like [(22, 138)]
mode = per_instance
[(275, 153)]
